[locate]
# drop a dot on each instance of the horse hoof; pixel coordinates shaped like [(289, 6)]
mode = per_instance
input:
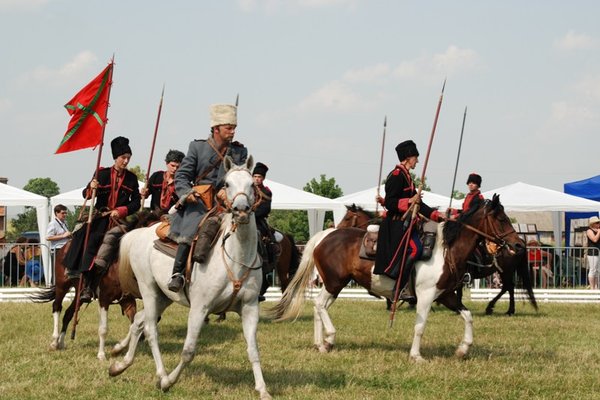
[(116, 351), (417, 359), (461, 354), (489, 311), (114, 370), (53, 346), (101, 356), (165, 384), (265, 396)]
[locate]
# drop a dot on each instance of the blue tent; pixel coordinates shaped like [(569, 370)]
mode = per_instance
[(586, 188)]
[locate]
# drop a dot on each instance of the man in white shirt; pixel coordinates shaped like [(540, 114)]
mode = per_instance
[(58, 233)]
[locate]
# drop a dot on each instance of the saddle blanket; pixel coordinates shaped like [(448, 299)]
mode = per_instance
[(168, 248)]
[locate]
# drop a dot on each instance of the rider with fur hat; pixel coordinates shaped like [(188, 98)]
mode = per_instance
[(400, 195), (161, 184), (202, 165), (117, 196)]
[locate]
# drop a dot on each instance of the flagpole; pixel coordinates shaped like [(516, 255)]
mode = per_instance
[(93, 198), (162, 95)]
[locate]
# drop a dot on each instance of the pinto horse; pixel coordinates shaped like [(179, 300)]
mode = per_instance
[(109, 292), (336, 257), (230, 280)]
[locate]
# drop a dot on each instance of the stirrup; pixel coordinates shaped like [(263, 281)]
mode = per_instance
[(467, 279), (176, 282)]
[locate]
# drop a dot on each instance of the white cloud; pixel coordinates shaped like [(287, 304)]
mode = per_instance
[(334, 96), (572, 114), (575, 41), (79, 66), (453, 61), (372, 73), (22, 5)]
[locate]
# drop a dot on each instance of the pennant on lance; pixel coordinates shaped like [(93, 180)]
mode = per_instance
[(88, 109)]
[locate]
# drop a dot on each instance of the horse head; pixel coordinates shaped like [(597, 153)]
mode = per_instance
[(240, 190), (497, 225), (355, 217)]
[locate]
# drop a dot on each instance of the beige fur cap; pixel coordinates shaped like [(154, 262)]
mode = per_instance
[(222, 114)]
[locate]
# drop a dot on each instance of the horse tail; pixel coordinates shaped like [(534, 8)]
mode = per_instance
[(44, 295), (522, 268), (292, 300)]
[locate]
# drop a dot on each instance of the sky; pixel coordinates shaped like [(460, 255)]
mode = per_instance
[(315, 79)]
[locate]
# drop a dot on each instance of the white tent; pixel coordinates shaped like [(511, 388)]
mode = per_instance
[(75, 197), (12, 196), (524, 197), (284, 198), (289, 198), (366, 200)]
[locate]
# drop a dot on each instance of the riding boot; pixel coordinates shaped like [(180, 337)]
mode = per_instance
[(206, 235), (177, 279), (407, 293), (87, 294)]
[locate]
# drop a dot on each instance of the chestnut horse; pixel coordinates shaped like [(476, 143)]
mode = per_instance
[(335, 255), (356, 217), (109, 292)]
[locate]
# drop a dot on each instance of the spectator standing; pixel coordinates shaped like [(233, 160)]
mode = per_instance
[(58, 233), (593, 236)]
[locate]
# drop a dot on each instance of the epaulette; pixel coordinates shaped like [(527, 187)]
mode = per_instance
[(237, 144)]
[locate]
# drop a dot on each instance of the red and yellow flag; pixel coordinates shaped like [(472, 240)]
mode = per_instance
[(88, 110)]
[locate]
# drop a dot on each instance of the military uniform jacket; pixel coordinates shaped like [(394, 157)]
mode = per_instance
[(399, 188), (472, 200), (264, 208), (163, 195), (201, 165), (113, 193)]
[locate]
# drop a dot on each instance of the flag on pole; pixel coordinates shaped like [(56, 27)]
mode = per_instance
[(88, 114)]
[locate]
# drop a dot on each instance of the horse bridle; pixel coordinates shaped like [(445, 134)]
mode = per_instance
[(355, 218), (497, 238)]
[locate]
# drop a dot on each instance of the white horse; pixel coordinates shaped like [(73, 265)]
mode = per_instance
[(336, 258), (229, 281)]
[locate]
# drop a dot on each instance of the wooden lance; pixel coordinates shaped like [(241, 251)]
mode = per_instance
[(462, 130), (162, 95), (380, 164)]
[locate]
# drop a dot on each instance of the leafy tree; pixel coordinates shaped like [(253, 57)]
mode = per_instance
[(27, 221), (458, 195), (139, 172), (295, 222), (326, 188)]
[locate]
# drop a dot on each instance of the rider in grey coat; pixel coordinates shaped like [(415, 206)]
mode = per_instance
[(202, 165)]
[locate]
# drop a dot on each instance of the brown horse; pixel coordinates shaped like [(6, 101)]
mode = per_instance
[(288, 260), (335, 255), (356, 217), (109, 292)]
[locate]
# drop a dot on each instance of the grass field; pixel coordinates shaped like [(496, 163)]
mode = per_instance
[(552, 354)]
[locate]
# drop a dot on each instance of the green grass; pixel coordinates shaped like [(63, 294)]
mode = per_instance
[(546, 355)]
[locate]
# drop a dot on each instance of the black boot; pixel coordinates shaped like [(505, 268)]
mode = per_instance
[(177, 279), (207, 233), (87, 294), (407, 293)]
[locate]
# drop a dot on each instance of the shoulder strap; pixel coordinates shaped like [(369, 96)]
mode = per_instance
[(212, 166)]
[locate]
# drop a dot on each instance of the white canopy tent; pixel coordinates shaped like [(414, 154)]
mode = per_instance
[(12, 196), (289, 198), (524, 197), (284, 198), (366, 200)]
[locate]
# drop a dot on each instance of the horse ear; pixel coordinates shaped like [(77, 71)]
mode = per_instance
[(227, 163), (250, 163), (495, 200)]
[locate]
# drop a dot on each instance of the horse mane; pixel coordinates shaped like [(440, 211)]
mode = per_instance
[(453, 228), (358, 209)]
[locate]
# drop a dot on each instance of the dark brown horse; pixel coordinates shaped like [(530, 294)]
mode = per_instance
[(109, 292), (288, 260), (507, 266), (335, 255)]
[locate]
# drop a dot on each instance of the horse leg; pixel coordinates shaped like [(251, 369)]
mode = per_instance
[(102, 330), (250, 313), (489, 310), (424, 300), (135, 331), (129, 308), (67, 317), (511, 305), (449, 300), (323, 323), (195, 323)]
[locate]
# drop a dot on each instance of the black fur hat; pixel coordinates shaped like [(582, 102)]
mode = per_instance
[(406, 149), (174, 156), (474, 178), (120, 146), (260, 169)]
